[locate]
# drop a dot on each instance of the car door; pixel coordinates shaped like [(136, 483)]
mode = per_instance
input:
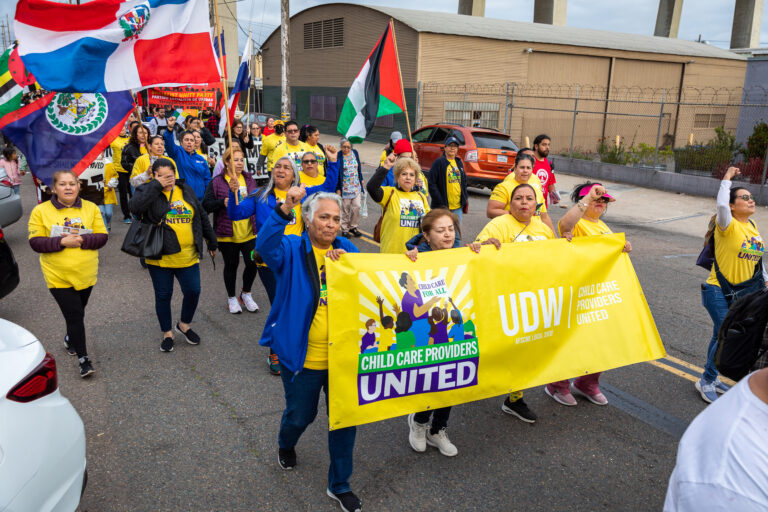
[(433, 149), (420, 137)]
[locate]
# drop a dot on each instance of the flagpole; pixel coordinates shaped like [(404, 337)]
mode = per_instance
[(400, 74), (223, 74), (248, 94)]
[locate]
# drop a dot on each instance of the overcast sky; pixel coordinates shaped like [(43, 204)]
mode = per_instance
[(710, 18)]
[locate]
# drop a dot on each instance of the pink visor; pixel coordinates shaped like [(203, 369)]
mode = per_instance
[(585, 191)]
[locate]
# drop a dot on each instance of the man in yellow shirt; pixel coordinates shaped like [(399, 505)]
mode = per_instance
[(292, 147), (268, 146)]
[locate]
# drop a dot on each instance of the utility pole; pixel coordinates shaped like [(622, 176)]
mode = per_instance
[(285, 101)]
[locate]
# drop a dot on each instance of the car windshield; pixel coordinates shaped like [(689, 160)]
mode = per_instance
[(493, 141)]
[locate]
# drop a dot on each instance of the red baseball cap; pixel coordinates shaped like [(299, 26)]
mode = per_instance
[(403, 146)]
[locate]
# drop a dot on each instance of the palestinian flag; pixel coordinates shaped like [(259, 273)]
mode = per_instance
[(13, 80), (376, 91)]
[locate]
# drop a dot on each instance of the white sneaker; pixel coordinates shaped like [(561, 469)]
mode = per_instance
[(234, 305), (417, 436), (442, 443), (248, 302)]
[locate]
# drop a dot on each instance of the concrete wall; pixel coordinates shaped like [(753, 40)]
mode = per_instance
[(659, 180)]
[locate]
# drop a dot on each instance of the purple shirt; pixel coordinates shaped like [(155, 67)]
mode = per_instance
[(369, 339), (441, 336), (409, 304)]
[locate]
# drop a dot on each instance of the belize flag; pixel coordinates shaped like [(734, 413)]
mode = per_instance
[(116, 45), (66, 131), (375, 92)]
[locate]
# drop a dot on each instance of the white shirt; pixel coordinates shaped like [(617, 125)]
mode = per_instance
[(722, 460)]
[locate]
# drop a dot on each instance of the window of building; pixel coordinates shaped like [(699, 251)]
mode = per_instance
[(472, 113), (322, 107), (324, 34), (708, 120)]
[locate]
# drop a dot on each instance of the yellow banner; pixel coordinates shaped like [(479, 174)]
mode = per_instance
[(458, 326)]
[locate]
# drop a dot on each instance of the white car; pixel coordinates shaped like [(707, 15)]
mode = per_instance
[(42, 438)]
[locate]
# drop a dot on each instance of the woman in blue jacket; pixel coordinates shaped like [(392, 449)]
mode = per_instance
[(192, 167), (297, 326), (263, 202)]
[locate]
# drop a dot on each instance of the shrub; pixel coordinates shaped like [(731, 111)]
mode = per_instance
[(757, 142), (751, 170), (718, 152)]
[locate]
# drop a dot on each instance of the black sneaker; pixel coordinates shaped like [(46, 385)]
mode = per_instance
[(191, 336), (166, 345), (71, 351), (346, 234), (356, 232), (86, 368), (347, 501), (286, 458), (520, 409)]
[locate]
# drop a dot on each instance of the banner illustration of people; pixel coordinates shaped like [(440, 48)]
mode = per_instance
[(455, 327)]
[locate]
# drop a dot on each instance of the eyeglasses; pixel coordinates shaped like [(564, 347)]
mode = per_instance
[(604, 200), (746, 197), (309, 161), (291, 131)]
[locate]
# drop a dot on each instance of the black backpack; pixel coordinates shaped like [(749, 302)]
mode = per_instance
[(740, 338)]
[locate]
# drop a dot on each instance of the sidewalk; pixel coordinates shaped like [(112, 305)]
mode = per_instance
[(668, 211)]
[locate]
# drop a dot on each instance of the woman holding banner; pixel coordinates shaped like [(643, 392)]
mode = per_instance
[(440, 230), (403, 205), (583, 219), (261, 204), (142, 168), (738, 259), (234, 237), (520, 225)]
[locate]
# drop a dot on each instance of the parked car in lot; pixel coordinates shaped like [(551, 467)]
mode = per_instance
[(488, 154), (42, 439), (10, 201), (9, 269)]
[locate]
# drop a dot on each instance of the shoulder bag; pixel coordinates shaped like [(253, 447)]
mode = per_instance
[(145, 239)]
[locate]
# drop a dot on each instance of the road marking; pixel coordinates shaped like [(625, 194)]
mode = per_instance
[(673, 370), (644, 411), (696, 370), (368, 238), (689, 255)]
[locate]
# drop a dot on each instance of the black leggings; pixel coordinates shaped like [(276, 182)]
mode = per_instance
[(124, 187), (439, 418), (231, 252), (72, 304)]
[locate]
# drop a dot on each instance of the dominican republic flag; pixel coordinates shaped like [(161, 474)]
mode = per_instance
[(66, 131), (241, 84), (114, 45), (376, 91)]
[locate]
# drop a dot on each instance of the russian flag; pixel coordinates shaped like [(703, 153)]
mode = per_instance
[(242, 82), (113, 45), (66, 131)]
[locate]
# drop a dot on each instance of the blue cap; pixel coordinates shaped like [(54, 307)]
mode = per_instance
[(452, 140)]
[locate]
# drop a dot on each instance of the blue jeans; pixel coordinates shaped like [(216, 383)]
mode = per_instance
[(459, 213), (106, 214), (714, 302), (302, 392), (162, 281)]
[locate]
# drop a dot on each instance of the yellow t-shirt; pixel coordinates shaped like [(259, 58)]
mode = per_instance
[(268, 145), (737, 249), (179, 218), (317, 342), (71, 267), (402, 218), (242, 230), (144, 162), (294, 152), (383, 157), (117, 152), (506, 229), (296, 226), (309, 181), (109, 193), (453, 185), (320, 158), (586, 227), (503, 191)]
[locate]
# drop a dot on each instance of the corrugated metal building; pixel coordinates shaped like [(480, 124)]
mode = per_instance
[(329, 43)]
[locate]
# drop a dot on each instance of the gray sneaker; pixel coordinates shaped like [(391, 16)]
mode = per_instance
[(417, 436), (442, 443)]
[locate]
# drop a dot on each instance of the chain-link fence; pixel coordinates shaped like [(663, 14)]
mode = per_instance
[(688, 130)]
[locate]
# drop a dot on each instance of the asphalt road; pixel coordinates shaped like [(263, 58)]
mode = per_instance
[(196, 429)]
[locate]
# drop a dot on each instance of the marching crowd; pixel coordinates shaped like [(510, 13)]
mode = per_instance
[(307, 211)]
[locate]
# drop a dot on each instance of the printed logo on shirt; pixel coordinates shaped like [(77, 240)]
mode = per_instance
[(543, 176), (411, 212), (76, 223), (752, 249), (242, 193), (453, 175), (529, 238), (178, 214), (323, 288)]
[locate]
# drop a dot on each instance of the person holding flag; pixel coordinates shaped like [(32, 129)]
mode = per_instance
[(192, 167)]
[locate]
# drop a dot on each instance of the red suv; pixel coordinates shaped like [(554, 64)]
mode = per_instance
[(488, 155)]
